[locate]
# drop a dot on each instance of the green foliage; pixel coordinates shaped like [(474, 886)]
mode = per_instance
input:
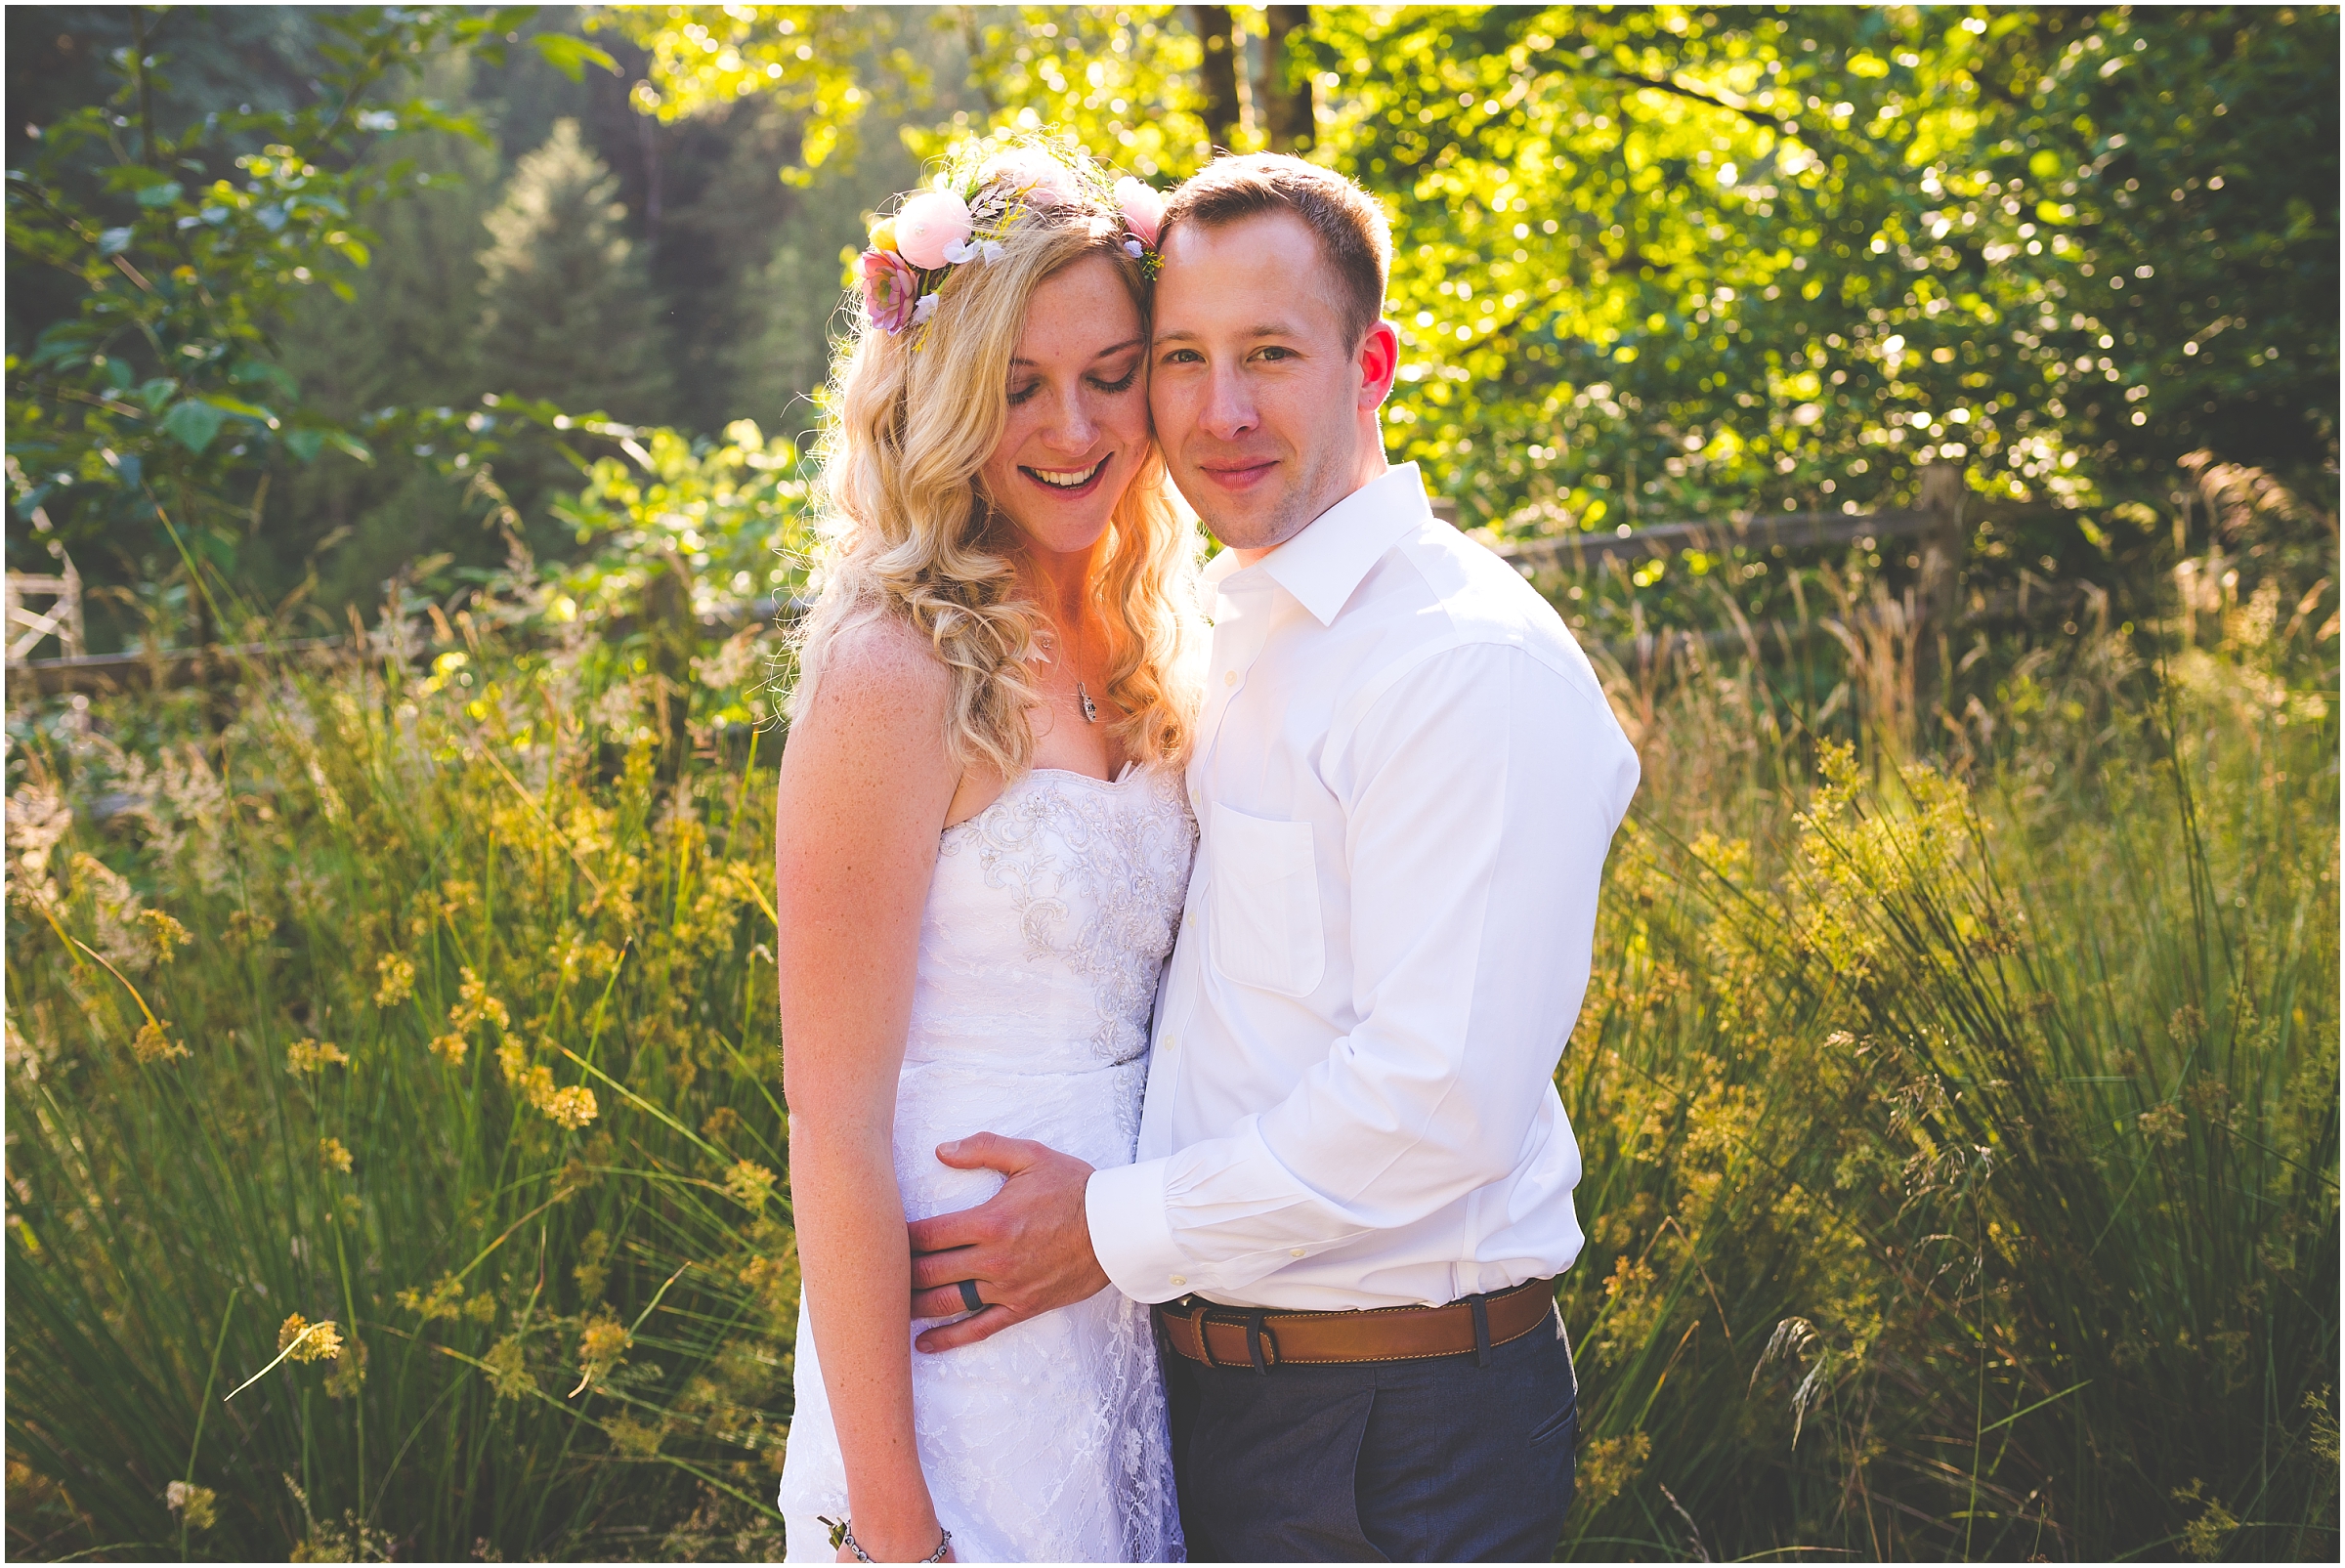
[(732, 514), (1693, 260), (566, 312), (1807, 250), (160, 393)]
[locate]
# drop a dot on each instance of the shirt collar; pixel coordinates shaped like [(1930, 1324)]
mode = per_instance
[(1323, 564)]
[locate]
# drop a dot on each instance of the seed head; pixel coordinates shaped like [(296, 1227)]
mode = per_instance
[(196, 1505), (601, 1347), (398, 980), (310, 1055), (508, 1371), (750, 1184), (153, 1045), (168, 933), (332, 1155), (572, 1107), (299, 1339)]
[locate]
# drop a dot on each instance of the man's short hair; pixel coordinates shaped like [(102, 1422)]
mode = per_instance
[(1352, 234)]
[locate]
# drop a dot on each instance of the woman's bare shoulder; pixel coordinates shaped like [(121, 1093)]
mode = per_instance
[(879, 665)]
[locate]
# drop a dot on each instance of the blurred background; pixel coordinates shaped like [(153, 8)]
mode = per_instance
[(1926, 417)]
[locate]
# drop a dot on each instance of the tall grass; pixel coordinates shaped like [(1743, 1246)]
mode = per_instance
[(1962, 1151), (1959, 1109), (425, 1008)]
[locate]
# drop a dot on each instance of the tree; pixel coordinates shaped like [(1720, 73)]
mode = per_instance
[(566, 312), (1708, 259), (148, 421)]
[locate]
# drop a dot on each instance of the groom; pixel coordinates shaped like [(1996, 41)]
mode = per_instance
[(1353, 1190)]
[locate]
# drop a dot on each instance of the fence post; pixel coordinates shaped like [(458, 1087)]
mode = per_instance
[(1945, 551)]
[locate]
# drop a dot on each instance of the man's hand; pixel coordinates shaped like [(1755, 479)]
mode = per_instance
[(1028, 1248)]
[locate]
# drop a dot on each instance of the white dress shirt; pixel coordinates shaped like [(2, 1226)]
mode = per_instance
[(1406, 778)]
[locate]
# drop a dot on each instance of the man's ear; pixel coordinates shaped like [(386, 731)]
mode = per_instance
[(1379, 361)]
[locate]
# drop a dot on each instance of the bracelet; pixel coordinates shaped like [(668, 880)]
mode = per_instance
[(842, 1533)]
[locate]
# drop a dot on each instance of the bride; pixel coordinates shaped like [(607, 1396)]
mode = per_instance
[(983, 851)]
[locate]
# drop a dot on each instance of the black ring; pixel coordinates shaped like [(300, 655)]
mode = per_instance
[(969, 1296)]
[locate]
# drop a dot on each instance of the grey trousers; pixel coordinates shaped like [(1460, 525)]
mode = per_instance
[(1450, 1459)]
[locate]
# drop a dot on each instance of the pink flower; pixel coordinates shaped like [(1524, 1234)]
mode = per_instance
[(926, 223), (890, 290), (1143, 208), (1037, 177)]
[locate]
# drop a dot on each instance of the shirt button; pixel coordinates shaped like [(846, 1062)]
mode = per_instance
[(1296, 1253), (1229, 677), (1180, 1279)]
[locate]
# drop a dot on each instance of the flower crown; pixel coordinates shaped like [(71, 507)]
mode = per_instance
[(963, 219)]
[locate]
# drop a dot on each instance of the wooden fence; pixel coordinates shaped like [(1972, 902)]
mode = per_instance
[(1941, 524)]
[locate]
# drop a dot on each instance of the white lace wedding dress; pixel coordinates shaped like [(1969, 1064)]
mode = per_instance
[(1049, 918)]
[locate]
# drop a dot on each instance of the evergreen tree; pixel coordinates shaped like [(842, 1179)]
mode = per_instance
[(567, 310), (405, 338)]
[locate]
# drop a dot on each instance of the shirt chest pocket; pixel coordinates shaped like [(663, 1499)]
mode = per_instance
[(1264, 903)]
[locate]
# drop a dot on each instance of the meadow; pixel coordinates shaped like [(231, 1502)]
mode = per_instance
[(396, 1161), (392, 1044)]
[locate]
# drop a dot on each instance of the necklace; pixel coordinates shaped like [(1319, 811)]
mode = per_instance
[(1083, 693)]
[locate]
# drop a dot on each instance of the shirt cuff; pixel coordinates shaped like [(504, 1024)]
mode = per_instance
[(1132, 1233)]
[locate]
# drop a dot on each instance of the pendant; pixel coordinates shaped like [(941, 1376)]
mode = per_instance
[(1091, 713)]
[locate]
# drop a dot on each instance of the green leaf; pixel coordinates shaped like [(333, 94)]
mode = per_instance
[(571, 55), (344, 441), (305, 444), (192, 423), (238, 405), (159, 195)]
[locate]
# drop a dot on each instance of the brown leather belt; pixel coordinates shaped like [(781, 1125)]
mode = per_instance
[(1248, 1338)]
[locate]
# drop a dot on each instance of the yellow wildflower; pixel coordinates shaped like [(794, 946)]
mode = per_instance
[(474, 1003), (167, 932), (602, 1347), (449, 1048), (634, 1439), (443, 1301), (310, 1055), (196, 1505), (398, 980), (299, 1339), (750, 1184), (508, 1372), (1606, 1466), (153, 1045), (332, 1155), (480, 1309), (570, 1108)]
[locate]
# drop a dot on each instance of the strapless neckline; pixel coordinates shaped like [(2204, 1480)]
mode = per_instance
[(1121, 782)]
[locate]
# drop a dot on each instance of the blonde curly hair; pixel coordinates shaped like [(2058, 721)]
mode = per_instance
[(909, 533)]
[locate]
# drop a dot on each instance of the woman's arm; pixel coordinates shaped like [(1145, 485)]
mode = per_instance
[(864, 789)]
